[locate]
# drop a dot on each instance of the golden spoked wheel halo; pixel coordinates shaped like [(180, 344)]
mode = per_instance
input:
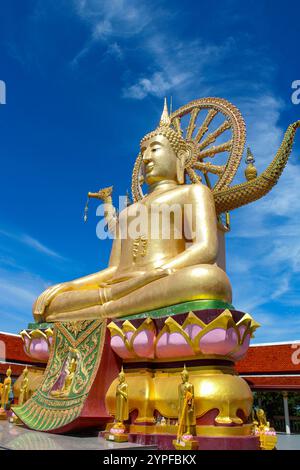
[(201, 136)]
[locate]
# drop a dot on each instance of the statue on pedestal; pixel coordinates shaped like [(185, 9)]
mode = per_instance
[(122, 399), (117, 431), (168, 260), (267, 435), (144, 272), (5, 396), (23, 396)]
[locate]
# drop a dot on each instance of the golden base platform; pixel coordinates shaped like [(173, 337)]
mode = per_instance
[(116, 437), (3, 414), (185, 445)]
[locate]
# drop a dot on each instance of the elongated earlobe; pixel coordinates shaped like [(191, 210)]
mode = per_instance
[(180, 166)]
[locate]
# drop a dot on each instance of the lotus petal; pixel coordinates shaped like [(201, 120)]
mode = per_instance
[(143, 343), (172, 345), (218, 341), (120, 348)]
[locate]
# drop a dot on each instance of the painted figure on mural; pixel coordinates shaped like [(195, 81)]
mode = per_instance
[(70, 371), (145, 272)]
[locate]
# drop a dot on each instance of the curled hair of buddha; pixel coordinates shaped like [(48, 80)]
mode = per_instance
[(164, 128)]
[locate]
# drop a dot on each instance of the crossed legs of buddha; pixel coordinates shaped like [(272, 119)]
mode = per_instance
[(190, 283)]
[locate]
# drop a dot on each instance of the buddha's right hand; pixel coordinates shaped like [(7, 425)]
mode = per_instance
[(46, 298)]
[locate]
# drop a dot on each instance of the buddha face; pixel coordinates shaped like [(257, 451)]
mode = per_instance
[(159, 160), (121, 378), (184, 376)]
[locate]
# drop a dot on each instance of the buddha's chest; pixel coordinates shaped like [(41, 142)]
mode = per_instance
[(153, 218)]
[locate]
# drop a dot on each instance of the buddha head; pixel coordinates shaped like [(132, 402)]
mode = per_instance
[(165, 153), (121, 376), (184, 375)]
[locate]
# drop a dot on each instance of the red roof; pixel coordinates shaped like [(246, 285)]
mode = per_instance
[(272, 358), (14, 351), (14, 348), (274, 382)]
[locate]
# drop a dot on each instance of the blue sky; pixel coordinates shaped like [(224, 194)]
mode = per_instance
[(85, 81)]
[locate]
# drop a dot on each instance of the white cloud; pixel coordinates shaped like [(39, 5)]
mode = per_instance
[(263, 249), (32, 243), (108, 20), (261, 113), (115, 50), (173, 64), (116, 18), (276, 328), (38, 246), (176, 65), (159, 84), (18, 290)]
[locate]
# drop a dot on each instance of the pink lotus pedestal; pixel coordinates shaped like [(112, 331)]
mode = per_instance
[(154, 351)]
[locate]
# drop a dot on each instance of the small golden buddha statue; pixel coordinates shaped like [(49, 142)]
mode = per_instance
[(5, 394), (186, 415), (186, 411), (262, 420), (122, 413), (117, 431), (146, 273), (24, 389)]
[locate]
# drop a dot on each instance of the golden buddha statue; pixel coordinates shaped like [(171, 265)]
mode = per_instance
[(262, 420), (117, 431), (147, 272), (6, 389), (186, 410), (64, 391), (156, 272), (24, 389), (122, 413)]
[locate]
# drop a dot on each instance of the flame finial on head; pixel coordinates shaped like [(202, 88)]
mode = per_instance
[(165, 118)]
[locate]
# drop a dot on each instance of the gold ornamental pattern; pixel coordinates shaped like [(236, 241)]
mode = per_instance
[(53, 406)]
